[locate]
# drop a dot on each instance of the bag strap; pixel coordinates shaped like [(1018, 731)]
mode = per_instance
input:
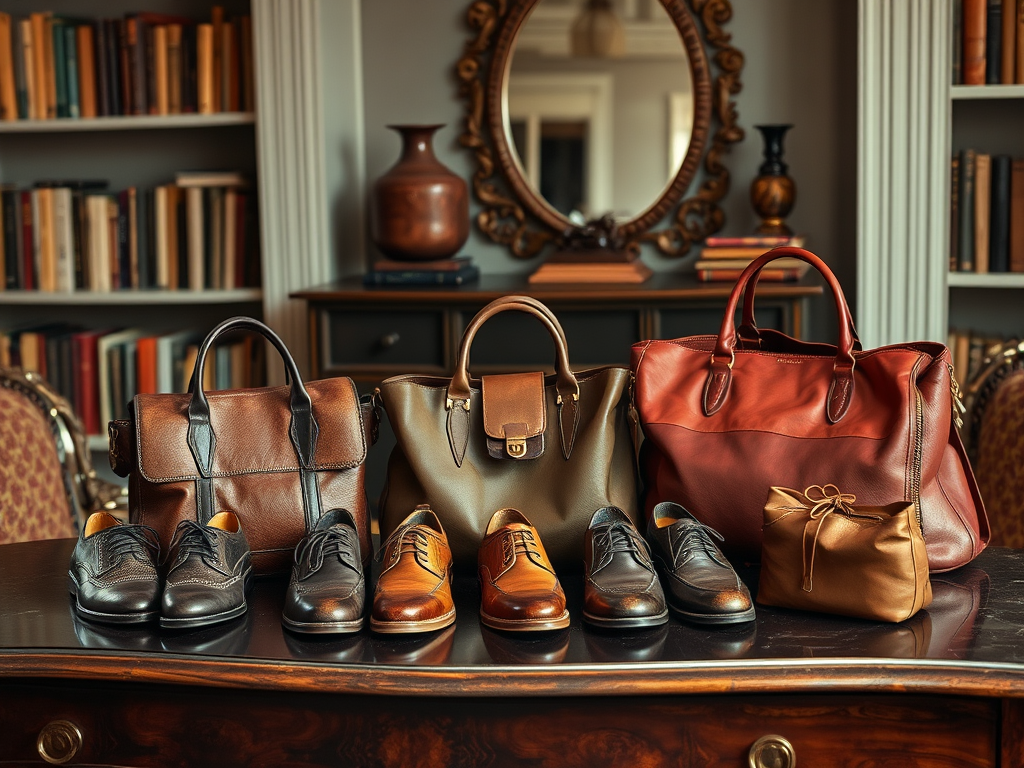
[(303, 429), (716, 388), (457, 401)]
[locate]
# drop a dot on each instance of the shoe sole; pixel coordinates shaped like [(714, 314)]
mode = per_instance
[(525, 625), (409, 627), (213, 618), (323, 627), (714, 618), (626, 622), (107, 618)]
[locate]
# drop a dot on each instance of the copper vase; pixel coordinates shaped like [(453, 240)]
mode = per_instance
[(420, 209), (773, 193)]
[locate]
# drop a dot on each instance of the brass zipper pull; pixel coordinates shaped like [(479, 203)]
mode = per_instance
[(958, 404)]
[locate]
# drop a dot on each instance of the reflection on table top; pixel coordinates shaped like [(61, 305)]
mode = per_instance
[(971, 633)]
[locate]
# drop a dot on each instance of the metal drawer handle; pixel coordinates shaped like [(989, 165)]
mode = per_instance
[(389, 340), (772, 752), (59, 741)]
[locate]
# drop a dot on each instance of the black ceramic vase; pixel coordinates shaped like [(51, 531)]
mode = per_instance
[(773, 193)]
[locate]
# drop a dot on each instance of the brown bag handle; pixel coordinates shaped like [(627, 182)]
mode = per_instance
[(719, 378), (457, 401)]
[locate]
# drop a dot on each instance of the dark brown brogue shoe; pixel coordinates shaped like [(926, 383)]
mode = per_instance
[(327, 591), (413, 592), (622, 588), (700, 584), (209, 573), (518, 586), (113, 575)]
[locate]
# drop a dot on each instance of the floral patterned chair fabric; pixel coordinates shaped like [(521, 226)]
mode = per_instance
[(996, 441), (47, 484)]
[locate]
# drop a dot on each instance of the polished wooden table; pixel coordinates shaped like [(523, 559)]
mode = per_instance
[(942, 689)]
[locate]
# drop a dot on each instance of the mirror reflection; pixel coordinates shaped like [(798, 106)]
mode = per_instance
[(599, 105)]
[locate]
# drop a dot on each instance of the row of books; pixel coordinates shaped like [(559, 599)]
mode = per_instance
[(55, 66), (986, 213), (988, 42), (969, 350), (100, 371), (723, 259), (197, 233)]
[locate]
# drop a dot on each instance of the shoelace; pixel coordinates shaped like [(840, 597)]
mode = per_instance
[(409, 540), (619, 537), (698, 537), (519, 542), (337, 540), (195, 539), (138, 541)]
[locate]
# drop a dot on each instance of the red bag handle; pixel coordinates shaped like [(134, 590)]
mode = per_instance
[(719, 378)]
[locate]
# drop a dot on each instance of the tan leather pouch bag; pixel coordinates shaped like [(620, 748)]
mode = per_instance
[(822, 553)]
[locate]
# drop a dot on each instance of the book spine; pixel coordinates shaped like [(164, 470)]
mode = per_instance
[(137, 53), (1007, 70), (29, 59), (132, 226), (954, 214), (20, 81), (958, 42), (248, 74), (124, 68), (8, 93), (102, 67), (112, 52), (89, 390), (204, 69), (38, 65), (64, 240), (196, 237), (982, 211), (1019, 58), (1017, 216), (732, 275), (28, 282), (161, 238), (189, 88), (147, 246), (11, 226), (181, 232), (967, 159), (993, 42), (975, 20), (230, 239), (113, 251), (86, 70), (215, 278), (999, 245), (71, 66), (174, 69), (79, 235), (229, 79), (217, 56), (149, 33), (51, 69), (160, 70), (6, 262), (241, 255), (60, 69), (124, 255)]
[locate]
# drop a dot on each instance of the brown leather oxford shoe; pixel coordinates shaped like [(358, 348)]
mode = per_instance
[(622, 588), (413, 592), (519, 588)]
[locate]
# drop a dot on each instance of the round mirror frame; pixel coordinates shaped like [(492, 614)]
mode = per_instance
[(482, 82)]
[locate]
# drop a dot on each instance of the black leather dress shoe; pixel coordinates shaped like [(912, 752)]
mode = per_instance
[(700, 584), (113, 575), (327, 590), (209, 573), (622, 588)]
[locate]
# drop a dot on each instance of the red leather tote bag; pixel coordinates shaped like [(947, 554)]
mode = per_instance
[(725, 418)]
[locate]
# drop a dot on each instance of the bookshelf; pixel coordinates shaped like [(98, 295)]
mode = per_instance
[(912, 119), (128, 123)]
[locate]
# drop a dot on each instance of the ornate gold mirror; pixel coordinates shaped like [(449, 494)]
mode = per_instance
[(579, 110)]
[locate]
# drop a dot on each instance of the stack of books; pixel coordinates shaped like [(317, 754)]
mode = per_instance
[(458, 271), (723, 259), (591, 266), (986, 213), (100, 371), (54, 66), (197, 233), (988, 42)]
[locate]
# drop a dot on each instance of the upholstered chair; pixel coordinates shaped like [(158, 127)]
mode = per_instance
[(47, 483), (995, 440)]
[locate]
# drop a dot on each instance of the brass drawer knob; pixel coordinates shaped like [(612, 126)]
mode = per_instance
[(59, 741), (389, 340), (772, 752)]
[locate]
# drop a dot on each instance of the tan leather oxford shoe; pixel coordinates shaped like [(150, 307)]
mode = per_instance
[(519, 588), (413, 592)]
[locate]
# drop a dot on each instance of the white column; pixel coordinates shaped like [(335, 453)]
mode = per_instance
[(903, 170), (300, 249)]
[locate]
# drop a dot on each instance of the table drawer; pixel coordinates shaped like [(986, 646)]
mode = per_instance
[(165, 725), (400, 341)]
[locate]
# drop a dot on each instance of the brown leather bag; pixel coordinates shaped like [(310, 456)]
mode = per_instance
[(278, 457), (556, 448), (727, 417), (823, 553)]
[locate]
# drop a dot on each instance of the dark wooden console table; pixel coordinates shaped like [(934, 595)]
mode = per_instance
[(370, 333), (941, 690)]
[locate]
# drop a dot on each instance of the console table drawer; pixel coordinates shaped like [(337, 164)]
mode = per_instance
[(406, 340), (166, 725)]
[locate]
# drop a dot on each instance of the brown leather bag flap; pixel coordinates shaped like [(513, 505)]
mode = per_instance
[(514, 413), (251, 428)]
